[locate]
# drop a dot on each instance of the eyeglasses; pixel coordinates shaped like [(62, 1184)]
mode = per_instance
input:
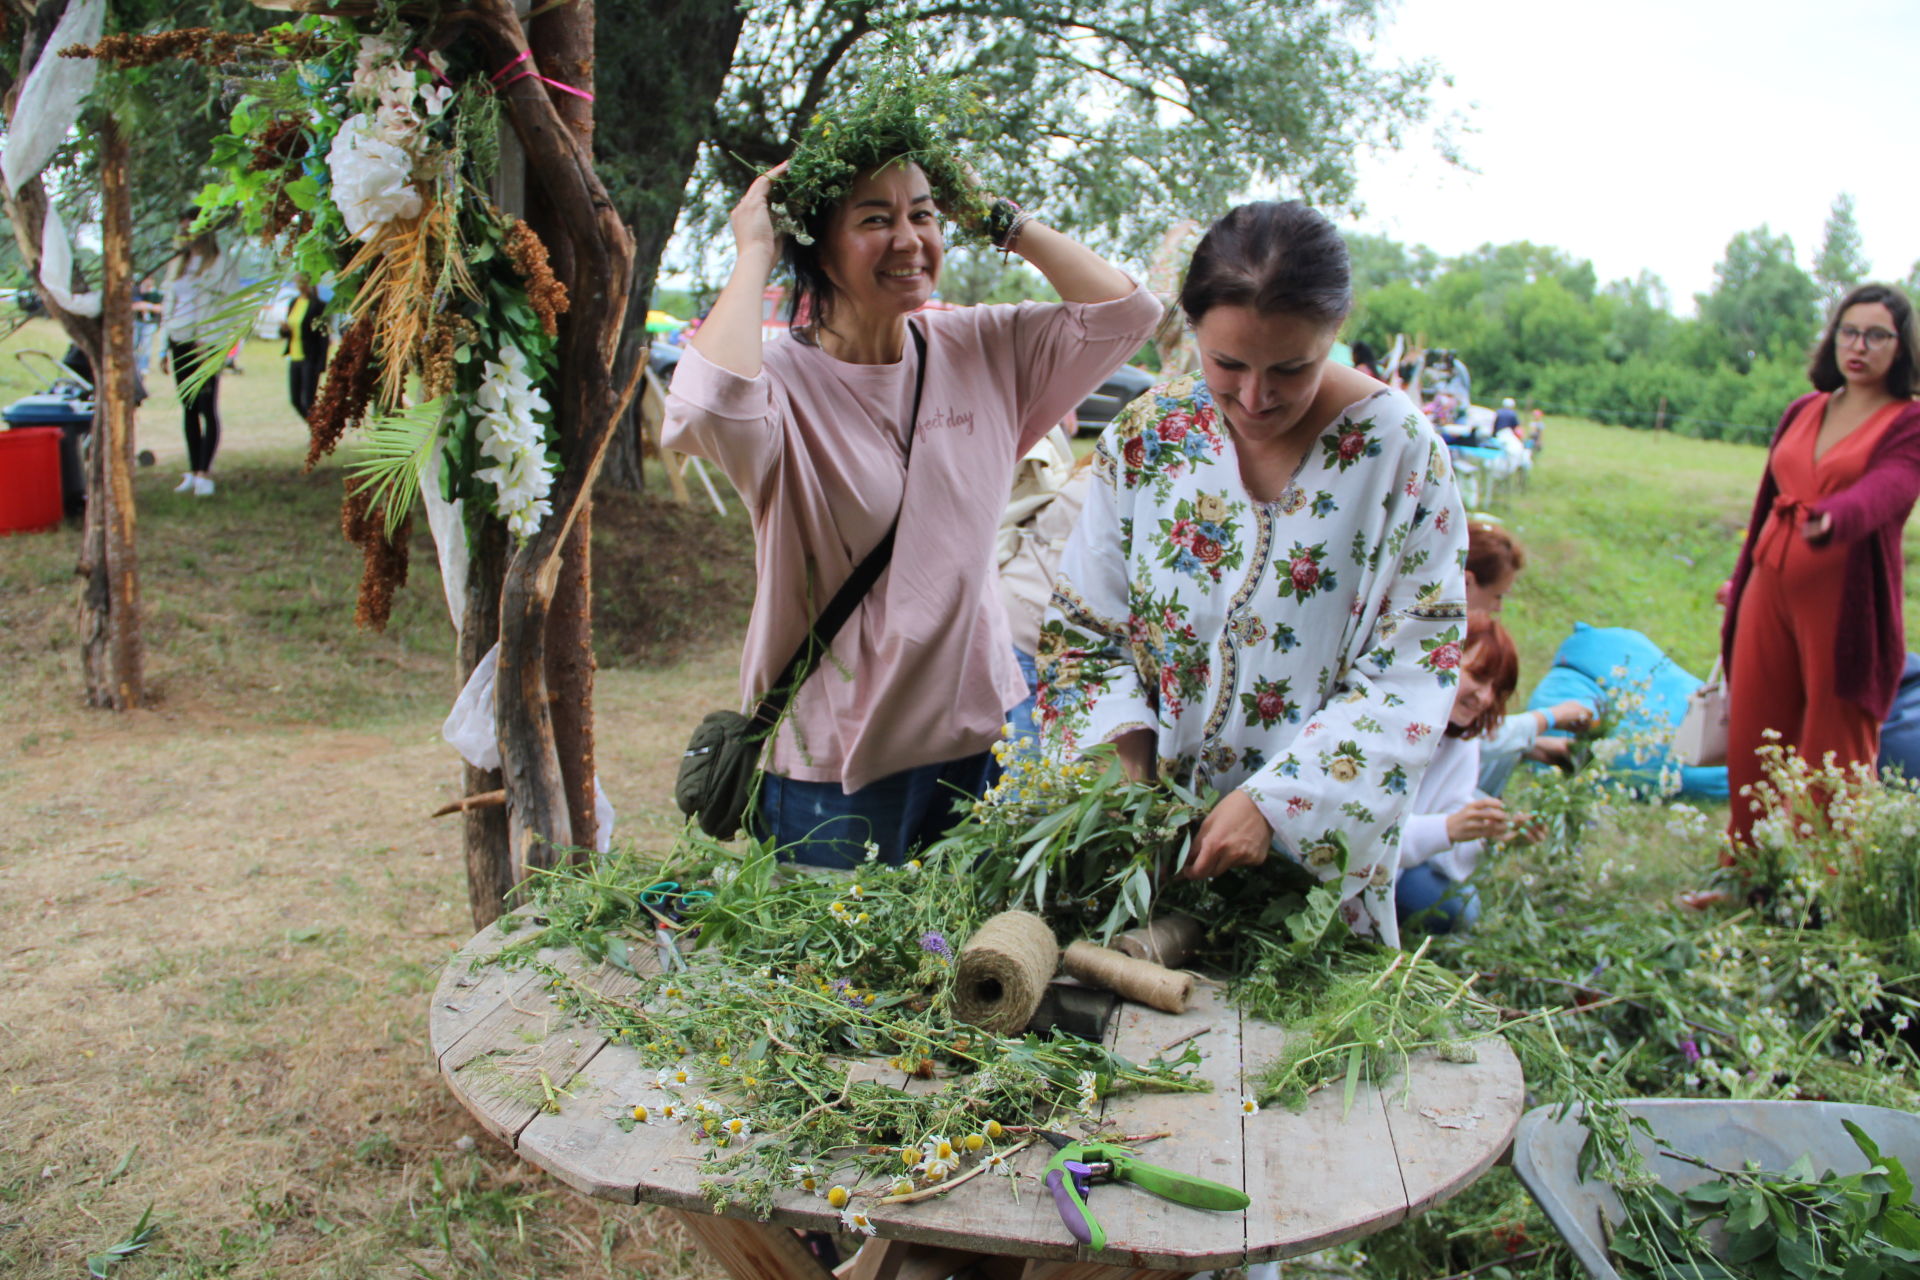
[(1872, 339)]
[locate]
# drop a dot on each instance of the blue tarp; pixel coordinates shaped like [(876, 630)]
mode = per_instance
[(1594, 661)]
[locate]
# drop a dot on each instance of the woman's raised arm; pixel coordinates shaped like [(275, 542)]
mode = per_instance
[(1077, 273), (730, 335)]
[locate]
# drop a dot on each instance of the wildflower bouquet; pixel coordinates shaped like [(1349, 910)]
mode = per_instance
[(901, 112), (810, 998), (1076, 841), (363, 157)]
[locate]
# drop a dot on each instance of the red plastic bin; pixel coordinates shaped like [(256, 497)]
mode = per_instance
[(30, 479)]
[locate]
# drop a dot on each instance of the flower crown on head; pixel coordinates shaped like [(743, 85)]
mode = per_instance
[(900, 114)]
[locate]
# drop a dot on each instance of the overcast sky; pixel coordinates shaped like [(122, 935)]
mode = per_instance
[(1645, 133)]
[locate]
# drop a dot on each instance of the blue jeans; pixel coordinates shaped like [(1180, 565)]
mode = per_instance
[(819, 825), (1021, 717), (1442, 905)]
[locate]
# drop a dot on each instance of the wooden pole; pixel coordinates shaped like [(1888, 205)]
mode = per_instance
[(562, 42), (1660, 415), (112, 654), (600, 251)]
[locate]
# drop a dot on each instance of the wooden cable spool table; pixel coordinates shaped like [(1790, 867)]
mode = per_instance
[(1315, 1178)]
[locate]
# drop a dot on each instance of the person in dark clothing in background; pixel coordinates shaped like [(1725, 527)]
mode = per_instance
[(305, 330)]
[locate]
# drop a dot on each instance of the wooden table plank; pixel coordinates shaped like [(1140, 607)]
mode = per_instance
[(1144, 1231), (1320, 1176), (1454, 1120), (1316, 1178), (525, 1044)]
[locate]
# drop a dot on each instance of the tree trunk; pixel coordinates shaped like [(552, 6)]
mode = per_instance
[(649, 147), (111, 650), (489, 868), (563, 47), (587, 238)]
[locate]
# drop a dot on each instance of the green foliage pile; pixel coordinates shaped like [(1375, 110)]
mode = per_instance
[(798, 979), (1801, 984)]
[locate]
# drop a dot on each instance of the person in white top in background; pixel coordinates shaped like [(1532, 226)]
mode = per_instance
[(1451, 821), (1494, 561), (195, 297)]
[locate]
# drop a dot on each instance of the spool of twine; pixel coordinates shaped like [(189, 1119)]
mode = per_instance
[(1170, 940), (1141, 981), (1000, 975)]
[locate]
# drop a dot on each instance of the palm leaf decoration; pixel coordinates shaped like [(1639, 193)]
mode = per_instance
[(391, 454), (231, 324)]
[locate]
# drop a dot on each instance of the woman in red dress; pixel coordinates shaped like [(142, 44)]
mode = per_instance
[(1814, 643)]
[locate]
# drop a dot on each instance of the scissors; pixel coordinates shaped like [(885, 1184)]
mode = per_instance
[(667, 904), (1076, 1166)]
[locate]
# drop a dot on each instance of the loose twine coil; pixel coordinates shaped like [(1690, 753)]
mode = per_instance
[(1170, 940), (1002, 971), (1141, 981)]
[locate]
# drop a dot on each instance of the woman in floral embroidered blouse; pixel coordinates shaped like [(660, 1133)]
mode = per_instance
[(1265, 594)]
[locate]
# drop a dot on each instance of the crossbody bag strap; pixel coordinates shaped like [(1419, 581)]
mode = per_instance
[(854, 589)]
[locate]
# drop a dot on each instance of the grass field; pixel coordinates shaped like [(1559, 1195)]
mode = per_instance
[(220, 917)]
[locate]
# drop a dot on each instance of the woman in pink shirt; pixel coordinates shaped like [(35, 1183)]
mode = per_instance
[(896, 721)]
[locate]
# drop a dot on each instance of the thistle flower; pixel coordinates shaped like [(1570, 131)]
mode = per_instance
[(933, 942)]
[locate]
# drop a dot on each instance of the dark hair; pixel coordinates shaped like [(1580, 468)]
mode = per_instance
[(1277, 258), (1492, 554), (1363, 354), (1824, 369), (1489, 653), (813, 293)]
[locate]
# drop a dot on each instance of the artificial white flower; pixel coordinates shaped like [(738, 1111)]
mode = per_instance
[(509, 434), (372, 177)]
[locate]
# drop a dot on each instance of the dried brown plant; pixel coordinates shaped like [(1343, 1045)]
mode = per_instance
[(544, 290), (203, 45), (345, 392), (383, 568)]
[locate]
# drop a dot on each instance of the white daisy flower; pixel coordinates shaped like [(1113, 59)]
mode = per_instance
[(856, 1221), (673, 1077), (1249, 1105)]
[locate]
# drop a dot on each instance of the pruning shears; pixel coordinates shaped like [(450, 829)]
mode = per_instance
[(667, 904), (1076, 1166)]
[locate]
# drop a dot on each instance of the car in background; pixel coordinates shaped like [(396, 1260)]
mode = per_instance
[(663, 358), (1122, 386)]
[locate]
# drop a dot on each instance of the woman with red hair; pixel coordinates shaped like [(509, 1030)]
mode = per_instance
[(1451, 820)]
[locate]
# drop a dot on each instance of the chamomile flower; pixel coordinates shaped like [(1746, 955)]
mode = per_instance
[(993, 1129), (938, 1148), (838, 910), (1249, 1105), (805, 1178), (974, 1141), (900, 1187), (736, 1127), (935, 1170), (856, 1221), (838, 1195), (997, 1163), (706, 1108), (644, 1114), (672, 1111), (856, 892), (673, 1077)]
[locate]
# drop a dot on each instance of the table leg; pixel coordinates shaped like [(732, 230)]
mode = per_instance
[(753, 1250), (903, 1260), (1045, 1269)]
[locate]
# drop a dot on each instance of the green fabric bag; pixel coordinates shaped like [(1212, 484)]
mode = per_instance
[(717, 772)]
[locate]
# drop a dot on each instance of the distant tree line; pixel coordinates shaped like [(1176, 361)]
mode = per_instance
[(1534, 323)]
